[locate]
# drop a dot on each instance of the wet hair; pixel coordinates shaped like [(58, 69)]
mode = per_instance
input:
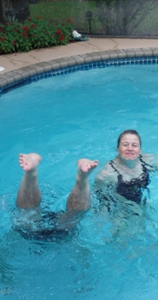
[(129, 131)]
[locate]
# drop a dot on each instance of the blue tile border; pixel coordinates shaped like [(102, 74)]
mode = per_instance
[(71, 64)]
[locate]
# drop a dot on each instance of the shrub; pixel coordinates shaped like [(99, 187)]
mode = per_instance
[(32, 34), (122, 17)]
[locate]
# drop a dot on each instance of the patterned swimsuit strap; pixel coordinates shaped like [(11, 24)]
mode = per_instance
[(144, 164), (111, 163)]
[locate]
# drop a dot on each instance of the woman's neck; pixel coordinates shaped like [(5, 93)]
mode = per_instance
[(128, 163)]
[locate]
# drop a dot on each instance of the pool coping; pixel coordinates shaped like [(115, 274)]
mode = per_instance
[(18, 76)]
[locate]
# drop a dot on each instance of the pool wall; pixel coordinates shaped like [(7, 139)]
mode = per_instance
[(86, 61)]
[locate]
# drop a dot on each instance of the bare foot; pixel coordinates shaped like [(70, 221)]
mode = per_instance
[(29, 161), (85, 167)]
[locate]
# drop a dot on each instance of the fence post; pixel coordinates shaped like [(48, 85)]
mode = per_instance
[(2, 11)]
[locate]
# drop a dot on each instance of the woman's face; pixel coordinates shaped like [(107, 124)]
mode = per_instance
[(129, 147)]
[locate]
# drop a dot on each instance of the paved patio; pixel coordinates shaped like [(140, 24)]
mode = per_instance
[(20, 66), (16, 61)]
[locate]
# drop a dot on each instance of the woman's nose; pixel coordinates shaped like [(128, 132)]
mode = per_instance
[(130, 147)]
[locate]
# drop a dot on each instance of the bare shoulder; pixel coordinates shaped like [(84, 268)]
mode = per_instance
[(106, 176), (151, 159)]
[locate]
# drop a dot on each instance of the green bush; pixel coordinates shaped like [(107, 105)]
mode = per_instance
[(34, 33)]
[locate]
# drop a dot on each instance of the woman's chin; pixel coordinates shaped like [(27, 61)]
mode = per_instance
[(130, 157)]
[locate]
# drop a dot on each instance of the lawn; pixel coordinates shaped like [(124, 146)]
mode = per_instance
[(61, 10), (76, 9)]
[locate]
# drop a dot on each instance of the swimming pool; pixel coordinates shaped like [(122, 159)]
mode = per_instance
[(78, 114)]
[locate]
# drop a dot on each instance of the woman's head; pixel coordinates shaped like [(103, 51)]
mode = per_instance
[(129, 144), (129, 131)]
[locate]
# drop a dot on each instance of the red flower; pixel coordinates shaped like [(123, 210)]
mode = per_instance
[(59, 31), (34, 25), (26, 28), (29, 19), (61, 37), (14, 43), (50, 21), (3, 39), (24, 34), (70, 21)]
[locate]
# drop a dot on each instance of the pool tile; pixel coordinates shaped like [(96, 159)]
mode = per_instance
[(3, 83), (32, 70), (24, 74), (54, 64), (38, 68), (9, 79), (62, 66), (130, 53), (87, 57), (147, 52), (112, 54), (46, 66), (154, 51), (120, 53), (15, 75), (79, 60), (71, 61), (104, 55), (96, 56), (62, 62), (138, 52)]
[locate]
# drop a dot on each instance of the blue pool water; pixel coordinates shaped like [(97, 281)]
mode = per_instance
[(64, 118)]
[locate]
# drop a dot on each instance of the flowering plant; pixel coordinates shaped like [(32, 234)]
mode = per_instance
[(34, 33)]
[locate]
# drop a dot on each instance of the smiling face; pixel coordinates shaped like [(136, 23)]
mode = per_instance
[(129, 147)]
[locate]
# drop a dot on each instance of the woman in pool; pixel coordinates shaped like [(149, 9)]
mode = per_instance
[(124, 178), (127, 176)]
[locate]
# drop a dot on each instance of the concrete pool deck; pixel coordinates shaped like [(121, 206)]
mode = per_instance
[(18, 66)]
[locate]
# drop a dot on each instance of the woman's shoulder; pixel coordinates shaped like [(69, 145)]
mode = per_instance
[(107, 172), (150, 159)]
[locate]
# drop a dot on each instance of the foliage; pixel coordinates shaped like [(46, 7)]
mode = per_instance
[(60, 10), (107, 2), (110, 17), (32, 34), (122, 17)]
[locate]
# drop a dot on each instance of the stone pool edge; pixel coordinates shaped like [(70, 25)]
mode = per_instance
[(19, 76)]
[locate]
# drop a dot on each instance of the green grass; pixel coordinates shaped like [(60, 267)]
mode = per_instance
[(61, 10), (51, 10)]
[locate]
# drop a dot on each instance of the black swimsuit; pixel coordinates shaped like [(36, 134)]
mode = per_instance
[(133, 189)]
